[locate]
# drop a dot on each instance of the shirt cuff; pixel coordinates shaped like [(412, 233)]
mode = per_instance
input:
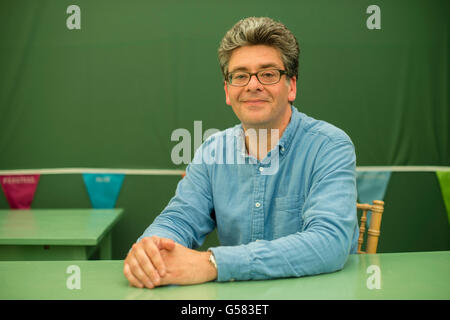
[(233, 263)]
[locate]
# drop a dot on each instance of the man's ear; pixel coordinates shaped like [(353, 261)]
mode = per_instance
[(227, 96), (292, 89)]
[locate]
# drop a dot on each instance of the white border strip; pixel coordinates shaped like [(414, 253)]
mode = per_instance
[(174, 172), (403, 168), (152, 172)]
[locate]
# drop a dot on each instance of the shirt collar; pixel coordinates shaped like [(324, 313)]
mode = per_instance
[(285, 141), (288, 134)]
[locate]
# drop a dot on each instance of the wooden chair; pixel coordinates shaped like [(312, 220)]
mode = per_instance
[(373, 233)]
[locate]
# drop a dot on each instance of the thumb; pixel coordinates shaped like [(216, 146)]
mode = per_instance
[(167, 244)]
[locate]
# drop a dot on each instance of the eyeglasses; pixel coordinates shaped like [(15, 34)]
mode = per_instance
[(242, 78)]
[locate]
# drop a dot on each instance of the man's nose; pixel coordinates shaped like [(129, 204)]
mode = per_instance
[(254, 83)]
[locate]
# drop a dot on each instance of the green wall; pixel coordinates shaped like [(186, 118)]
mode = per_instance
[(111, 94)]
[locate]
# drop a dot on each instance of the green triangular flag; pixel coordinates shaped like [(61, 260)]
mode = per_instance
[(444, 181)]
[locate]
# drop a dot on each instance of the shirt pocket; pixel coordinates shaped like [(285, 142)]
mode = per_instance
[(286, 216)]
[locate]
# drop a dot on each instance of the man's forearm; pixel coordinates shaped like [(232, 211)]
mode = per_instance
[(305, 253)]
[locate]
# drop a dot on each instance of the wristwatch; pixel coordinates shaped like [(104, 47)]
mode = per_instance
[(212, 259)]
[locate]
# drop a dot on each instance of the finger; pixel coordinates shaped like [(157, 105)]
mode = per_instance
[(139, 274), (132, 280), (139, 264), (157, 241), (146, 271), (163, 243), (167, 244), (156, 267)]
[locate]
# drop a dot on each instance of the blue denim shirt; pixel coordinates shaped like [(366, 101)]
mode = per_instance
[(289, 215)]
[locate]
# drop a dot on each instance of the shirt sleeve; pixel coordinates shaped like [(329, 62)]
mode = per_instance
[(187, 217), (329, 228)]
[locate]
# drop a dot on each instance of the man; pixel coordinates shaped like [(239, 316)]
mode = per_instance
[(300, 219)]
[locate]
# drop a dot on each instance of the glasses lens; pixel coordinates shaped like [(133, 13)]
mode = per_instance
[(269, 76), (239, 78)]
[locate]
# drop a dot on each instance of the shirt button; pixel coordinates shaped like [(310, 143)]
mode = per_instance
[(261, 169), (257, 204), (282, 149)]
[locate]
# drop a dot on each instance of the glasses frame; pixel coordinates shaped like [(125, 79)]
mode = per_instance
[(282, 72)]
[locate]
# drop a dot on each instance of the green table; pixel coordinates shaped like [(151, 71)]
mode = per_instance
[(56, 234), (418, 275)]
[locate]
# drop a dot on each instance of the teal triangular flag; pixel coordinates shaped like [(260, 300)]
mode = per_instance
[(371, 185), (103, 189)]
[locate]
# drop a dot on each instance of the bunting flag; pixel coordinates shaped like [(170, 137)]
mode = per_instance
[(19, 189), (371, 185), (103, 189), (444, 181)]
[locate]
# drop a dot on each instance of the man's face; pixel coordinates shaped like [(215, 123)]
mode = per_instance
[(258, 105)]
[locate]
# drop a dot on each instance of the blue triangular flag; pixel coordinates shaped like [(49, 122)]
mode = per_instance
[(103, 189), (371, 185)]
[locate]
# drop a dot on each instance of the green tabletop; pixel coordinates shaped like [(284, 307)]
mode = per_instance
[(417, 275), (56, 234)]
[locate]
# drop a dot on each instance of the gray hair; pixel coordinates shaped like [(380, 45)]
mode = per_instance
[(260, 30)]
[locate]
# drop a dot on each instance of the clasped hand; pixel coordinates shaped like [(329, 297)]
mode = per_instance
[(156, 261)]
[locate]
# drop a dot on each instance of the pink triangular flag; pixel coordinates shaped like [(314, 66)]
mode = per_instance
[(19, 189)]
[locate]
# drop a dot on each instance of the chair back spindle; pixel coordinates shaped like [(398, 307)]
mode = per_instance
[(373, 233)]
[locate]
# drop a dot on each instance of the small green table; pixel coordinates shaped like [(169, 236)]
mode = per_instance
[(56, 234), (414, 275)]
